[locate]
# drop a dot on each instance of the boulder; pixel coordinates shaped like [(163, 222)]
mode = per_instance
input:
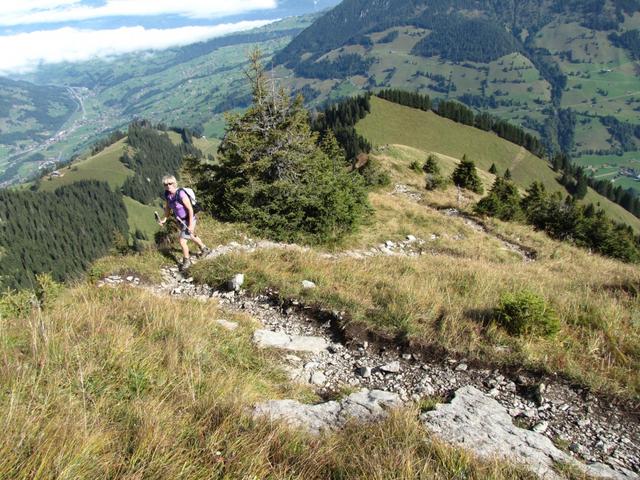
[(365, 405), (479, 423)]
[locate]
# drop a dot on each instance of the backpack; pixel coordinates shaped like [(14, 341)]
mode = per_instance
[(192, 197)]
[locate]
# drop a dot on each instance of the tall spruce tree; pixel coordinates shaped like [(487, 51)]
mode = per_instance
[(273, 174)]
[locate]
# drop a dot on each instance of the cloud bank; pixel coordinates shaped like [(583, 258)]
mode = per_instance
[(23, 12), (26, 51)]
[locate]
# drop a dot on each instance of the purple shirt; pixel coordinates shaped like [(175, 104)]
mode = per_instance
[(176, 207)]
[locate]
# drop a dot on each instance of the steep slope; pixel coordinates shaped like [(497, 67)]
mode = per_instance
[(389, 123)]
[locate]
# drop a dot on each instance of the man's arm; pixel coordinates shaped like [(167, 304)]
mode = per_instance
[(167, 212)]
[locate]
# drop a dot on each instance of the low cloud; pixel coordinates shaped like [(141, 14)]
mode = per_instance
[(56, 11), (26, 51)]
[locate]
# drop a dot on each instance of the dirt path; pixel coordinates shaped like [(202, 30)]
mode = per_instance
[(519, 157)]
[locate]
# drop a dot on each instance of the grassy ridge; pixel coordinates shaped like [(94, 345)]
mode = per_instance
[(390, 123), (105, 166)]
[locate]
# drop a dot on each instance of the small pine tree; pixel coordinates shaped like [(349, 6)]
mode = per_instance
[(507, 174), (502, 202), (434, 179), (431, 166), (493, 169), (466, 176)]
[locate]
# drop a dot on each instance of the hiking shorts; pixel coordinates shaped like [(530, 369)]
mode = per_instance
[(184, 228)]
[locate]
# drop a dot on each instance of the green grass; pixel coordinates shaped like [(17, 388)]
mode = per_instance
[(122, 383), (140, 217), (104, 166), (390, 123)]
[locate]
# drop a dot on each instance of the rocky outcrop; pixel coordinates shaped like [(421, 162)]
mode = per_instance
[(364, 406), (479, 423)]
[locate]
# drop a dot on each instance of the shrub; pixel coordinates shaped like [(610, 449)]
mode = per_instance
[(502, 202), (374, 175), (526, 313), (434, 179), (415, 166)]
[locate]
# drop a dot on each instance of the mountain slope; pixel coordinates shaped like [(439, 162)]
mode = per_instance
[(389, 123), (566, 70), (187, 86)]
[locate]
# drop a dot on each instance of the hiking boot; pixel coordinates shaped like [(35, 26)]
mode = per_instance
[(186, 263), (205, 251)]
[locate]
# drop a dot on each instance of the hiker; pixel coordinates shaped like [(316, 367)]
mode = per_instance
[(178, 202)]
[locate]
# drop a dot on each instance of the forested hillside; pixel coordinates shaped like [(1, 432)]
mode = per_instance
[(58, 233), (154, 155)]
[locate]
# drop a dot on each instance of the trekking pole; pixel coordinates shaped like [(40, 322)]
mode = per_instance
[(186, 227)]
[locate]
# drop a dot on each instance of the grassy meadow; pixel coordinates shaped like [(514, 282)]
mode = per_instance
[(446, 296), (105, 166)]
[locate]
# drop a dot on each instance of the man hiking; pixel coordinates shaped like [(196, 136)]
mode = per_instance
[(178, 202)]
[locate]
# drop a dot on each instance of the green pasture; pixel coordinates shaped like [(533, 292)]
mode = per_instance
[(140, 217), (105, 166), (591, 135), (390, 124), (627, 159)]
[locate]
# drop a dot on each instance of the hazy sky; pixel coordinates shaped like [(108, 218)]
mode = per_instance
[(44, 31)]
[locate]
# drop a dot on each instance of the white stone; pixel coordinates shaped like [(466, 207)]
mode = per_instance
[(392, 367), (227, 325), (477, 422), (269, 339), (307, 284), (236, 281), (318, 378), (541, 427), (365, 405)]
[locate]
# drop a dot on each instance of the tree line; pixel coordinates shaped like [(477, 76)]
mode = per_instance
[(340, 118), (561, 219), (58, 232)]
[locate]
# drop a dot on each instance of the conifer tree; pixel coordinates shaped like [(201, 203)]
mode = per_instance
[(507, 174), (466, 176), (273, 174), (502, 202), (493, 169), (434, 177)]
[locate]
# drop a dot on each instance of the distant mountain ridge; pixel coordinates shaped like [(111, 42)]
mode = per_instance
[(353, 18)]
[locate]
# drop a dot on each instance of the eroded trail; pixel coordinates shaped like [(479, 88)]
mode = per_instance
[(318, 352)]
